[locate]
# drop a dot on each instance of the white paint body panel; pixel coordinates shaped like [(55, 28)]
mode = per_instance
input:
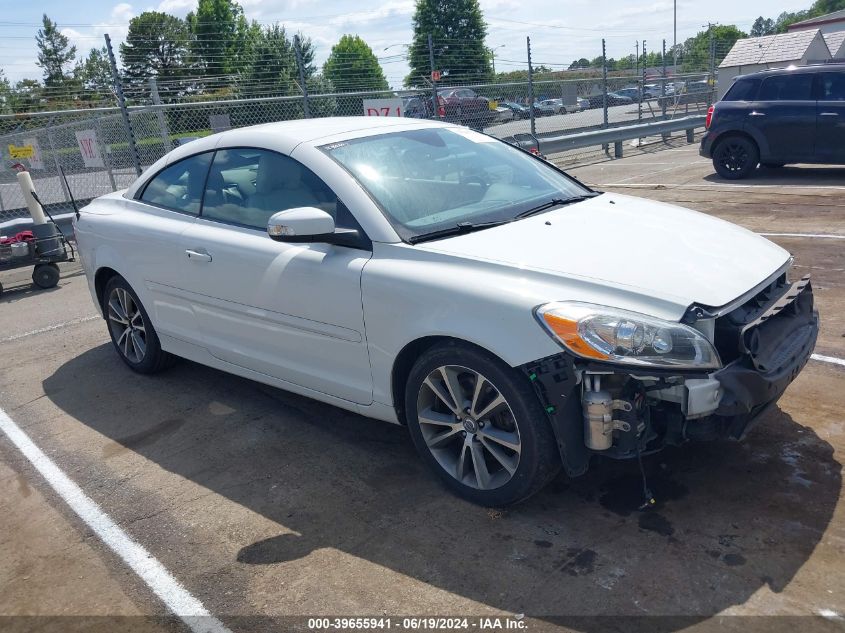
[(328, 321)]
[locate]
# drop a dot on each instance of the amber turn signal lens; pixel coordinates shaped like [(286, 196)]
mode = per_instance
[(567, 331)]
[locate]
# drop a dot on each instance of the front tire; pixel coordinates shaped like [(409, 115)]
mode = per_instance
[(131, 330), (735, 157), (479, 425)]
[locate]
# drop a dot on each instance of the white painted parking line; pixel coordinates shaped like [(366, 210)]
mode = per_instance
[(831, 236), (50, 328), (715, 185), (828, 359), (176, 598)]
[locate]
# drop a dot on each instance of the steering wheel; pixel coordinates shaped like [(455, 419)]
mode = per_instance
[(474, 175)]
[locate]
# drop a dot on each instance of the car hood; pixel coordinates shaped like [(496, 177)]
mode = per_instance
[(631, 243)]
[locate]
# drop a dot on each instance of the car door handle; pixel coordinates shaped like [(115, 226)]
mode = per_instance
[(198, 255), (757, 114), (828, 114)]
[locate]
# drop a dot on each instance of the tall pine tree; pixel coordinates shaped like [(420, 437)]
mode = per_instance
[(458, 30), (54, 53)]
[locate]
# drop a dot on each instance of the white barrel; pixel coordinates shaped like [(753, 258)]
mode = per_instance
[(35, 210)]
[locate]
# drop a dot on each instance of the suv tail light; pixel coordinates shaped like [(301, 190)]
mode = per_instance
[(441, 107), (709, 118)]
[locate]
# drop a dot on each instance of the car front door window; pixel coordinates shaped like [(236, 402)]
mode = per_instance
[(246, 186), (179, 187)]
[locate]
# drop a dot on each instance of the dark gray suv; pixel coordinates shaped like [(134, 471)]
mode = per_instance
[(774, 117)]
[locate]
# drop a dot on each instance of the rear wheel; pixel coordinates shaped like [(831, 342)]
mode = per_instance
[(131, 330), (479, 426), (735, 157), (45, 275)]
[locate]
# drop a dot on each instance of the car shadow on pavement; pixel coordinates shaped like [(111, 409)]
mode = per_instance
[(730, 520), (804, 175)]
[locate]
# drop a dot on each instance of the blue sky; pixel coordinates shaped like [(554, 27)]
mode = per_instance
[(560, 30)]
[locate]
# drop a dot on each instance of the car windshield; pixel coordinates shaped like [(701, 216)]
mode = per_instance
[(433, 179)]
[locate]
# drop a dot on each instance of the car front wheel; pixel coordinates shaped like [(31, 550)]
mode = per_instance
[(131, 330), (735, 157), (479, 426)]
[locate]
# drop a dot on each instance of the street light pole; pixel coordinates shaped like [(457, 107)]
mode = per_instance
[(492, 52)]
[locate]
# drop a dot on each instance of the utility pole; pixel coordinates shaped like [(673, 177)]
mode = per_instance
[(306, 108), (637, 60), (531, 88), (434, 102), (121, 101), (675, 33)]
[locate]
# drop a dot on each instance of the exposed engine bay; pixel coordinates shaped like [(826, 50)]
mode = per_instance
[(626, 412)]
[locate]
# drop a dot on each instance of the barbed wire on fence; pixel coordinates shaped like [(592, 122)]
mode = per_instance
[(82, 130)]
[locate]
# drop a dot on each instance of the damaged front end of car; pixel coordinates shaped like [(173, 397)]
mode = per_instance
[(626, 385)]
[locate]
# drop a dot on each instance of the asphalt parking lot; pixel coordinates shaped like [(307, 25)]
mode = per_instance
[(264, 505)]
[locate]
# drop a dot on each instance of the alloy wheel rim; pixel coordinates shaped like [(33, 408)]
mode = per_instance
[(734, 157), (127, 325), (469, 427)]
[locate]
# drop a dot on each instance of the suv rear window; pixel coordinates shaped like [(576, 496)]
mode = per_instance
[(742, 90), (793, 87)]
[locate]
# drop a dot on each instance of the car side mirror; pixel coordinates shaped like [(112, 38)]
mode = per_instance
[(302, 224)]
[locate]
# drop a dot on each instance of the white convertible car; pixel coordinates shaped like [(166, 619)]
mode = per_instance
[(424, 274)]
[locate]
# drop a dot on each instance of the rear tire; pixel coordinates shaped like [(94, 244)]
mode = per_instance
[(735, 157), (132, 332), (495, 447)]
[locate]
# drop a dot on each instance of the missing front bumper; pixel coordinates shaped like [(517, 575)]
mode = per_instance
[(768, 342)]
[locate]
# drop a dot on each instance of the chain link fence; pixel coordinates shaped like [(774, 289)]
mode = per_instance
[(95, 149)]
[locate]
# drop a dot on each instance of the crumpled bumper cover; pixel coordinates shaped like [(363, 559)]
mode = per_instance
[(775, 350)]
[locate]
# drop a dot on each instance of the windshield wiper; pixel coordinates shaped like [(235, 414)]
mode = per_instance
[(469, 227), (554, 202), (458, 229)]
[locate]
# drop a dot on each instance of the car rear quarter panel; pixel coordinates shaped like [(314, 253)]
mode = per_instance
[(732, 117)]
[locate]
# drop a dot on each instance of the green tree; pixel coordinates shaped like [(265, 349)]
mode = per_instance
[(221, 36), (819, 7), (157, 45), (27, 96), (762, 26), (54, 53), (696, 51), (458, 30), (352, 65), (93, 76), (271, 68), (5, 94), (579, 63)]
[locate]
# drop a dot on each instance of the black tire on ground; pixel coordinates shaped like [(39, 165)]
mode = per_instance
[(773, 165), (154, 358), (735, 157), (539, 459), (45, 275)]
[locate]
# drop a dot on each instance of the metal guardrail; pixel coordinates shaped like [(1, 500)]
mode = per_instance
[(615, 135)]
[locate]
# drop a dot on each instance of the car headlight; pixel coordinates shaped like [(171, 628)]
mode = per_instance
[(618, 336)]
